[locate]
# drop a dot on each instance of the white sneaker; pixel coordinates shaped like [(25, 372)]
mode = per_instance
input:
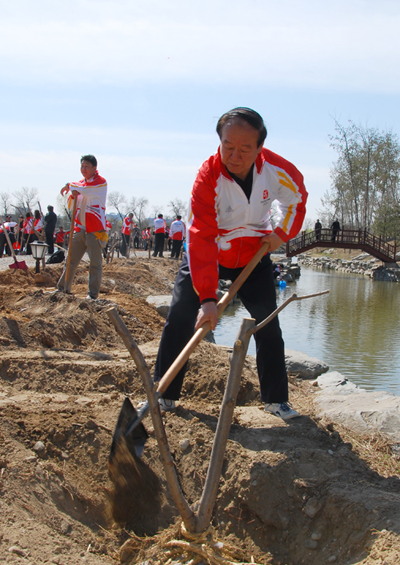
[(166, 404), (281, 409)]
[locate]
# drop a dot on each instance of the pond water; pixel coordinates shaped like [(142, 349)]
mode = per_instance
[(354, 329)]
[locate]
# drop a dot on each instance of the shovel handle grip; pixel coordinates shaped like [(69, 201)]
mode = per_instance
[(201, 332)]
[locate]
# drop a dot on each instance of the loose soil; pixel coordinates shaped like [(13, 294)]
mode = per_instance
[(302, 492)]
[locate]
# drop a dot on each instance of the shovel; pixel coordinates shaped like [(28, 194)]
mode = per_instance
[(17, 264), (68, 283), (129, 418)]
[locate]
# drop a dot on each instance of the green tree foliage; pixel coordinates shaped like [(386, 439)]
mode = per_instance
[(365, 190)]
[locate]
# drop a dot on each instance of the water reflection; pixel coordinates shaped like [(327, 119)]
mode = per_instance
[(354, 329)]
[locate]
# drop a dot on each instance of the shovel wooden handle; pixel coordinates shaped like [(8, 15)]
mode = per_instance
[(71, 235), (201, 332)]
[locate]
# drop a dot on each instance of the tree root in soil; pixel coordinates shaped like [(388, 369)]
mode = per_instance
[(178, 545)]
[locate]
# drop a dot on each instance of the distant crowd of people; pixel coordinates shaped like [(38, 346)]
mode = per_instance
[(36, 227), (30, 228), (165, 238)]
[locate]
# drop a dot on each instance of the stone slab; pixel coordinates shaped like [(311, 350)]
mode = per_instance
[(358, 409)]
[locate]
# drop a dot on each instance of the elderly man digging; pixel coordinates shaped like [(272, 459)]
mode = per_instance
[(228, 221)]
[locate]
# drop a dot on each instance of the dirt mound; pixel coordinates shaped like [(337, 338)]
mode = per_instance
[(296, 492)]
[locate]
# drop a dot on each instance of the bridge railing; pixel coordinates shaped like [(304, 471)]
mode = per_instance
[(352, 238)]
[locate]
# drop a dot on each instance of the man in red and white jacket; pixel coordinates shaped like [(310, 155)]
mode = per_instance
[(159, 232), (146, 235), (127, 227), (9, 227), (90, 222), (177, 232), (228, 221)]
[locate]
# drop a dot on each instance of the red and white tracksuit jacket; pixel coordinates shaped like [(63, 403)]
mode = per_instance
[(225, 228), (9, 226), (108, 226), (28, 225), (127, 226), (146, 234), (91, 205), (177, 230), (159, 225), (38, 224), (60, 236)]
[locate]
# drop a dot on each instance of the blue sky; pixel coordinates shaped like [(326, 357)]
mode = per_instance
[(141, 85)]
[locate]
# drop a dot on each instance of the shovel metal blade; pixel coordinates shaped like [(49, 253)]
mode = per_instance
[(19, 265), (135, 437)]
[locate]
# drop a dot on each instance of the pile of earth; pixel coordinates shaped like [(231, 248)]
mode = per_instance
[(296, 492)]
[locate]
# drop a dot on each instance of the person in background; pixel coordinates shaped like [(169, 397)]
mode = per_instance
[(127, 227), (159, 231), (318, 227), (10, 226), (228, 221), (37, 226), (177, 233), (28, 233), (146, 236), (20, 234), (90, 223), (335, 227), (50, 220), (167, 238), (136, 237), (60, 237)]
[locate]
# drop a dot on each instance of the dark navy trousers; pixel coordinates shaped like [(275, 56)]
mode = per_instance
[(258, 296)]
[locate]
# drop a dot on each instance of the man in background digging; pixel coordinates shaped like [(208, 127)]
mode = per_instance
[(50, 227), (177, 233), (228, 220), (90, 223)]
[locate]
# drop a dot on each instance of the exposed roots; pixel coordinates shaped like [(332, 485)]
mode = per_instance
[(178, 545)]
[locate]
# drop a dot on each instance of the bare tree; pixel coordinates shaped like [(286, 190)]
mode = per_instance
[(64, 214), (26, 198), (117, 201), (156, 211), (5, 202), (138, 208), (178, 207)]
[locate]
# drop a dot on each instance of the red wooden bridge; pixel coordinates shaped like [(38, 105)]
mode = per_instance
[(345, 239)]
